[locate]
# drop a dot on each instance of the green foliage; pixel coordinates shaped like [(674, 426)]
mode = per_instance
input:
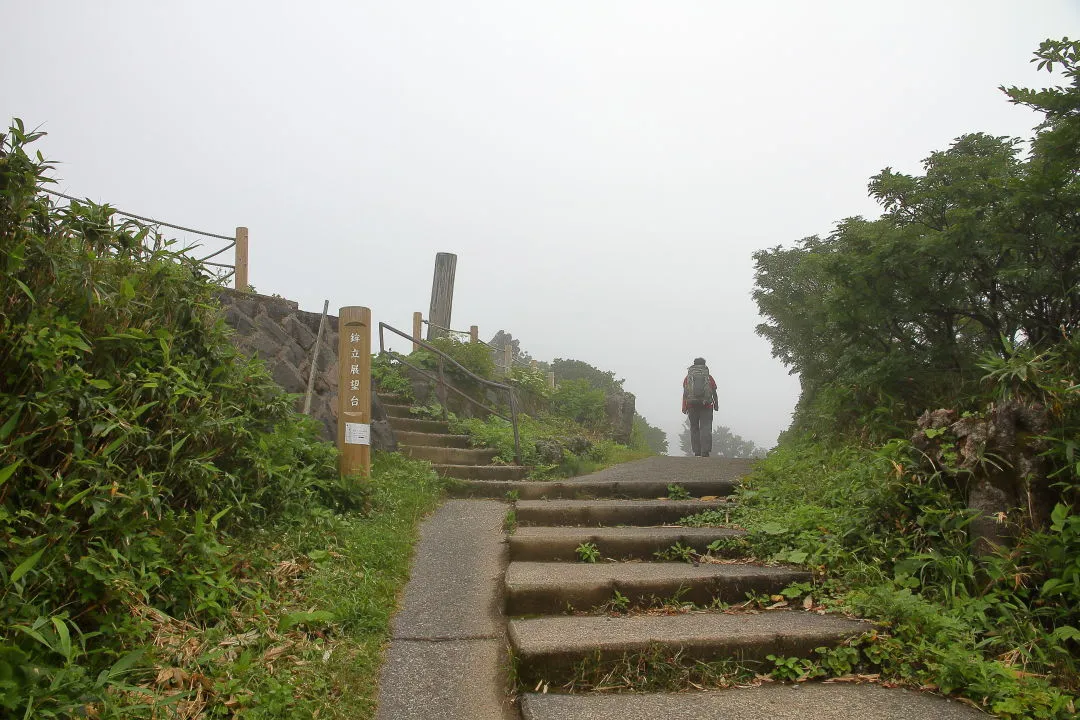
[(707, 518), (894, 543), (588, 552), (594, 377), (322, 591), (679, 552), (581, 402), (619, 602), (677, 492), (134, 440), (474, 357), (553, 446), (390, 376), (644, 436), (977, 255), (532, 381)]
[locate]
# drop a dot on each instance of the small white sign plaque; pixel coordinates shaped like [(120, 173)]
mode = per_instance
[(357, 433)]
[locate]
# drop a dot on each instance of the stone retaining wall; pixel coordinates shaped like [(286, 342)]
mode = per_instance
[(283, 336)]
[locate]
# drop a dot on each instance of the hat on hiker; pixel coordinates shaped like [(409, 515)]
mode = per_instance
[(699, 361)]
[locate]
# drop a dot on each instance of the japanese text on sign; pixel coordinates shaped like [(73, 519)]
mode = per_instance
[(357, 433)]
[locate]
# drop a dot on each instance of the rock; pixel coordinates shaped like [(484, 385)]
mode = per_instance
[(549, 452), (579, 444)]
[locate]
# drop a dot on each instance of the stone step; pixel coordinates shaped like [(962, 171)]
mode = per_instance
[(449, 455), (802, 701), (589, 489), (398, 411), (406, 437), (611, 512), (482, 472), (534, 588), (420, 426), (547, 648), (625, 543)]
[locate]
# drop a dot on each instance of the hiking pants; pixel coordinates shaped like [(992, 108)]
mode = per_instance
[(700, 428)]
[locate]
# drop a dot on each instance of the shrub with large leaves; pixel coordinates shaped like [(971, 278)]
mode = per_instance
[(133, 436)]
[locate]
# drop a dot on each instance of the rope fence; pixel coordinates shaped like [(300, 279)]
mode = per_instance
[(238, 270)]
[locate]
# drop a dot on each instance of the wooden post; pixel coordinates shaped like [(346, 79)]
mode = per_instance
[(508, 358), (417, 328), (442, 294), (354, 389), (551, 380), (240, 276), (474, 334), (315, 359)]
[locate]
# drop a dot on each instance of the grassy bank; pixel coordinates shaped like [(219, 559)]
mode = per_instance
[(309, 640), (889, 542)]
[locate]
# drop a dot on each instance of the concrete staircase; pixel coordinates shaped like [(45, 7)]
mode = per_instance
[(561, 608), (449, 454), (475, 590)]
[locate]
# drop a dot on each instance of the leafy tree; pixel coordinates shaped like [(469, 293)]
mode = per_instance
[(725, 443), (580, 370), (579, 401), (645, 435), (979, 254)]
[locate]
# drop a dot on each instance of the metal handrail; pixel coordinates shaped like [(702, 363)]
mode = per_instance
[(441, 379)]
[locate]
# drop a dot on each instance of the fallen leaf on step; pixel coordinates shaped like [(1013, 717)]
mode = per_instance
[(707, 498), (775, 605), (808, 602)]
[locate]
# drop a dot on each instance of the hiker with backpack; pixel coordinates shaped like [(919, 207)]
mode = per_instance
[(698, 402)]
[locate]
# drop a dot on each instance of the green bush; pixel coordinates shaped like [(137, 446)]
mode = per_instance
[(579, 450), (579, 401), (390, 376), (474, 357), (531, 381), (133, 438), (890, 542)]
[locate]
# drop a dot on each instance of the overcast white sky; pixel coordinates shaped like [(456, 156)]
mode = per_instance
[(603, 170)]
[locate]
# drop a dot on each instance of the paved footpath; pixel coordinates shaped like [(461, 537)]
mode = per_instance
[(473, 593), (447, 657)]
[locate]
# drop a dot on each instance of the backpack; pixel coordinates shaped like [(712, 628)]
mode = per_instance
[(698, 388)]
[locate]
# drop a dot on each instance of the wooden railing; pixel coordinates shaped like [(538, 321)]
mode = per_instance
[(442, 385)]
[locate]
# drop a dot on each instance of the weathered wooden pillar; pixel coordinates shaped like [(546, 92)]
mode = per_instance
[(474, 334), (240, 254), (417, 328), (551, 380), (442, 294), (354, 389), (508, 358)]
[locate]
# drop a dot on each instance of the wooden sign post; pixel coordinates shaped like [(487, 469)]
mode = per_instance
[(354, 390)]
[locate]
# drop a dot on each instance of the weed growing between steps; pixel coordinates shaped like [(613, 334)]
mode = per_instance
[(656, 670)]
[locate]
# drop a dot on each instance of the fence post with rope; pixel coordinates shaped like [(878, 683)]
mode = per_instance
[(240, 278), (239, 240)]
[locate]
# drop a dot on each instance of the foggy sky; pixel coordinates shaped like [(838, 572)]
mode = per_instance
[(603, 170)]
